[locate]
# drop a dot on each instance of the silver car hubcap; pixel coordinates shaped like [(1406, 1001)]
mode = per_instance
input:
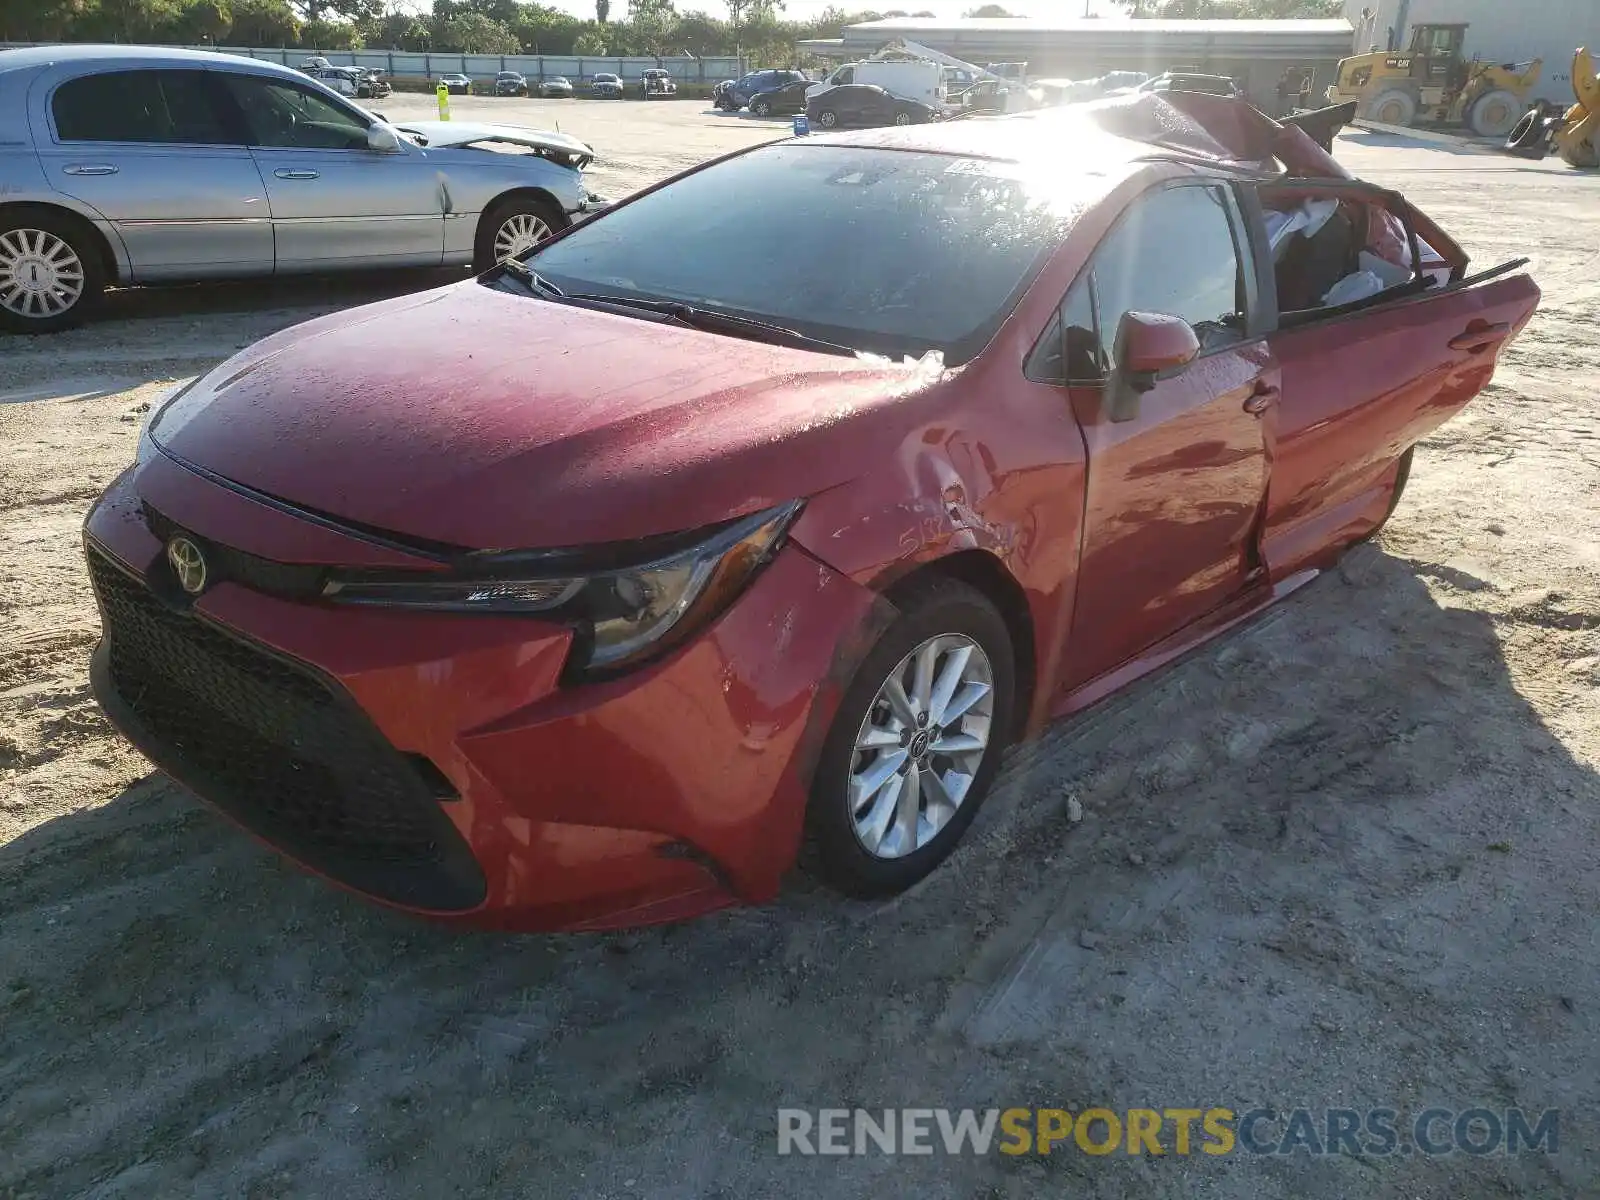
[(518, 235), (828, 120), (920, 746), (40, 275), (903, 119)]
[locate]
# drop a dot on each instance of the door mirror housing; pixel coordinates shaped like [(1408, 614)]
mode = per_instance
[(1150, 347), (383, 140)]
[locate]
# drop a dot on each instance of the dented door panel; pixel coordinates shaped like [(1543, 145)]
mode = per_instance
[(1360, 390)]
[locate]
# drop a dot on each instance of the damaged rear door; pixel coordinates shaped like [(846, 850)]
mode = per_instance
[(1362, 383)]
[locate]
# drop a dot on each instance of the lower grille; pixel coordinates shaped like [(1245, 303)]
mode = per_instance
[(281, 750)]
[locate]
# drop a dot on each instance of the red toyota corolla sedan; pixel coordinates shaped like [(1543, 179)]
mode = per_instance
[(598, 590)]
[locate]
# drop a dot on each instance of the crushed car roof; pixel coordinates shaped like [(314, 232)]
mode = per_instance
[(1223, 132)]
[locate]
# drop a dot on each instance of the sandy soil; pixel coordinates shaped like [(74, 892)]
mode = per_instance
[(1343, 858)]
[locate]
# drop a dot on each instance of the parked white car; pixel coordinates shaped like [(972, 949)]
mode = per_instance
[(131, 165)]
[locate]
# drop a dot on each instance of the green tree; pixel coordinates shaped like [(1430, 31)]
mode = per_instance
[(592, 44), (650, 25), (330, 35), (263, 23), (474, 33), (545, 30), (353, 11), (989, 12), (602, 11), (207, 21), (40, 20)]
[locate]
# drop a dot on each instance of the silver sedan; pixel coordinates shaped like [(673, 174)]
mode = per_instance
[(129, 165)]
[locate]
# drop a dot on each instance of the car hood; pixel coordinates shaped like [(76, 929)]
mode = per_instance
[(484, 420), (441, 135)]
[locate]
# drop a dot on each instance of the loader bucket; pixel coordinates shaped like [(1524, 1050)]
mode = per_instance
[(1576, 141)]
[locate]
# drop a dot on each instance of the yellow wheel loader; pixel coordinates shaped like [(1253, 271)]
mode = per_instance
[(1433, 84), (1573, 134)]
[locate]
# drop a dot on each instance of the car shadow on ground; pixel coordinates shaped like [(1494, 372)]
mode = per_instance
[(246, 295), (1330, 860)]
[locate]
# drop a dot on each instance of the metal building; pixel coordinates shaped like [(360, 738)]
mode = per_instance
[(1255, 53), (1497, 31)]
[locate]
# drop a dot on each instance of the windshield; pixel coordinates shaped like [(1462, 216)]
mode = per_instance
[(885, 251)]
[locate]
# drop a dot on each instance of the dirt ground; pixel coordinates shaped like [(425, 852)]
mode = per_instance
[(1345, 857)]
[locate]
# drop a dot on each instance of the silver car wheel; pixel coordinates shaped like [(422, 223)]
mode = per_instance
[(921, 745), (41, 275), (518, 234)]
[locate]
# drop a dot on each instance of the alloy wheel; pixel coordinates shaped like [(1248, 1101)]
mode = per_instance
[(828, 119), (920, 746), (517, 235), (41, 275)]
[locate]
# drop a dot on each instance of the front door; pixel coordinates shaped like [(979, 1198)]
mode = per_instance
[(335, 203), (151, 152), (1173, 496), (1359, 389)]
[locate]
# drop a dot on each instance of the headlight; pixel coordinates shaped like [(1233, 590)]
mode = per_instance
[(622, 614)]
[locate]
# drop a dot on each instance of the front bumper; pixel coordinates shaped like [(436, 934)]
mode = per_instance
[(670, 792)]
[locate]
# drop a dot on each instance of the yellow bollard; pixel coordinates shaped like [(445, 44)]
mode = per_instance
[(444, 102)]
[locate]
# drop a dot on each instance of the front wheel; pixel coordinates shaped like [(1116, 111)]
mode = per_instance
[(50, 274), (828, 119), (1393, 108), (513, 227), (915, 744), (1494, 115), (761, 109)]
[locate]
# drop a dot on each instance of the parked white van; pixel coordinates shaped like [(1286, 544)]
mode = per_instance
[(909, 80)]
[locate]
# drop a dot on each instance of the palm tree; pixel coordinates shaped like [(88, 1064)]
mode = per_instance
[(602, 10)]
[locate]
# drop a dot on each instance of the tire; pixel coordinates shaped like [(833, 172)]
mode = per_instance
[(1580, 154), (1526, 133), (51, 272), (828, 119), (949, 617), (521, 210), (1494, 114), (1393, 107), (761, 108), (904, 118)]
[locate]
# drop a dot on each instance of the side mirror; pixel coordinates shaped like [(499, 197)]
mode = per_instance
[(1150, 347), (383, 140)]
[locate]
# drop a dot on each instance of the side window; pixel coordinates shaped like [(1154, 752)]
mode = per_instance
[(279, 114), (1069, 351), (139, 106), (845, 75), (1173, 253)]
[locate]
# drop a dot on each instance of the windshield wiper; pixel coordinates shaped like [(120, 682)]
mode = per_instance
[(530, 278), (711, 321)]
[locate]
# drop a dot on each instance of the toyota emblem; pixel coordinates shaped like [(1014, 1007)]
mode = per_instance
[(188, 564)]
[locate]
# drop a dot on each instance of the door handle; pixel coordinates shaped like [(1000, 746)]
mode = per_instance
[(1263, 398), (89, 169), (1475, 341), (290, 173)]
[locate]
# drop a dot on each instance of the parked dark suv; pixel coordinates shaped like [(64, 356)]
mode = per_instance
[(754, 84)]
